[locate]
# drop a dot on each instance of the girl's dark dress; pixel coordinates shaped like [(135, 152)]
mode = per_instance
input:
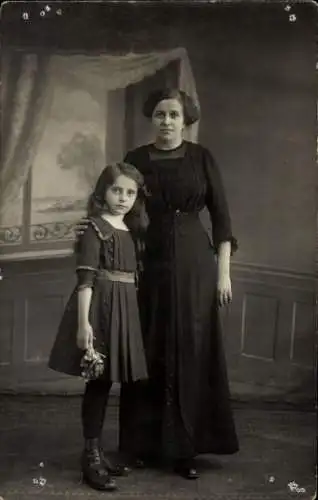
[(184, 409), (113, 315)]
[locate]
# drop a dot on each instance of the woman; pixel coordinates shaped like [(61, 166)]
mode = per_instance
[(184, 409)]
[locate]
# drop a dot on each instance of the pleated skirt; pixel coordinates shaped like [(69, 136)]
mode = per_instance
[(114, 317)]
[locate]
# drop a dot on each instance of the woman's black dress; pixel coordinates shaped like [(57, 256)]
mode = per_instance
[(184, 409)]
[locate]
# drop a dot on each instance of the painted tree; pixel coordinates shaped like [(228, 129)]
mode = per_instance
[(83, 153)]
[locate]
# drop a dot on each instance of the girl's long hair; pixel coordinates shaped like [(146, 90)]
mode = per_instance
[(136, 219)]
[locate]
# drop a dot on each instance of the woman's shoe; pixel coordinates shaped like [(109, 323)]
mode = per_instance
[(139, 463), (186, 469), (93, 470), (113, 469), (147, 461)]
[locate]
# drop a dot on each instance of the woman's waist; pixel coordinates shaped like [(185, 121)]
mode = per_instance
[(177, 217), (173, 211), (176, 221), (166, 239)]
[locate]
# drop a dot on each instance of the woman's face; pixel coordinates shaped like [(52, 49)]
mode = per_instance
[(168, 120)]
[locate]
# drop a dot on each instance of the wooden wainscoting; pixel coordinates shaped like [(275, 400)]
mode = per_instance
[(32, 298), (268, 329), (269, 333)]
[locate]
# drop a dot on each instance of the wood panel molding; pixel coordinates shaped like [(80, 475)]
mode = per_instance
[(273, 277), (252, 267)]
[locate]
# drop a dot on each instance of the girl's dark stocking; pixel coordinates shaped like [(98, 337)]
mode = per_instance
[(94, 407)]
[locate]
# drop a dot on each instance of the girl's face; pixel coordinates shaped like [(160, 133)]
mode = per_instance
[(168, 120), (121, 196)]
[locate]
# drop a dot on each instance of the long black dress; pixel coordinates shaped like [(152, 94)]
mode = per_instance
[(184, 410)]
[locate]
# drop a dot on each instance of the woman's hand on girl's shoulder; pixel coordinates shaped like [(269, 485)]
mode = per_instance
[(81, 226)]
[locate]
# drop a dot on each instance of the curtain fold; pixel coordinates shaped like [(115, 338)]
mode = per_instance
[(109, 72), (26, 101)]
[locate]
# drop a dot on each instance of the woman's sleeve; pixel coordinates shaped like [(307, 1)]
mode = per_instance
[(130, 158), (87, 257), (217, 204), (137, 158)]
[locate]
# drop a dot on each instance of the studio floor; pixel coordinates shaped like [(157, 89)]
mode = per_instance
[(41, 445)]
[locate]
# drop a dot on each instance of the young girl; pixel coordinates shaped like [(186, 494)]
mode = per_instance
[(99, 336)]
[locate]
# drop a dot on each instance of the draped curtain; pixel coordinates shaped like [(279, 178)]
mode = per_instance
[(27, 93), (105, 72), (25, 101)]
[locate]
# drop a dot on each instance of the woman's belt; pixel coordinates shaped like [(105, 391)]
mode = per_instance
[(178, 212), (173, 215), (121, 276)]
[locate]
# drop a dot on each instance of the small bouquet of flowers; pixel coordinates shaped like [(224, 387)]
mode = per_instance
[(92, 364)]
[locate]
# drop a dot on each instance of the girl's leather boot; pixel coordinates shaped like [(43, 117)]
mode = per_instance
[(94, 472)]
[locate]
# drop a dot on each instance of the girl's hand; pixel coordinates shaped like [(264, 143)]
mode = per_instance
[(81, 226), (84, 338), (224, 289)]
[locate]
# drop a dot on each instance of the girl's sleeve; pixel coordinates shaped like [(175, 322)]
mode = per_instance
[(87, 257), (217, 204)]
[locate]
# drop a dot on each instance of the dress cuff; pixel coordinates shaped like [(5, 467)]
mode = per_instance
[(82, 287), (232, 240), (85, 277)]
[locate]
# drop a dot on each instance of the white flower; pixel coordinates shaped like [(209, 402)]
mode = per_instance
[(294, 487), (42, 481)]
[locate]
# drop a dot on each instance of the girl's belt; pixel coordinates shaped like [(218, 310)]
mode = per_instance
[(122, 276)]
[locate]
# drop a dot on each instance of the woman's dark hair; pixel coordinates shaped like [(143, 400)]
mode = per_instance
[(136, 219), (191, 112)]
